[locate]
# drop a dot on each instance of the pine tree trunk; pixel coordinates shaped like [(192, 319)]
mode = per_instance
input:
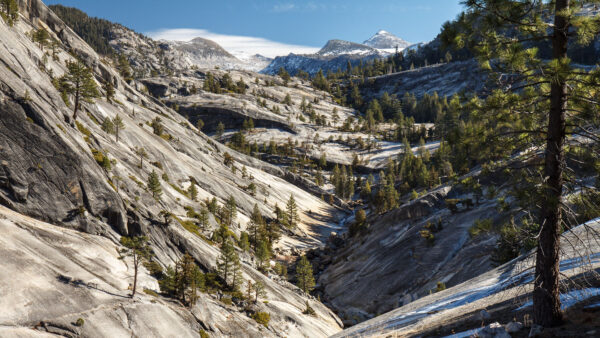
[(546, 296), (76, 108), (135, 275)]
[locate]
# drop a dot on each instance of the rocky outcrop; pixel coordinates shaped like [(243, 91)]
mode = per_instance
[(50, 170), (475, 306), (392, 264), (41, 178)]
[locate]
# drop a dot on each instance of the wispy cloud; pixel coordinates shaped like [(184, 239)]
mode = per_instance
[(236, 45), (284, 7)]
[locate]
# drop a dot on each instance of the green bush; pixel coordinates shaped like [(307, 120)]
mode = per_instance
[(480, 226), (452, 205), (262, 318), (203, 334), (79, 322)]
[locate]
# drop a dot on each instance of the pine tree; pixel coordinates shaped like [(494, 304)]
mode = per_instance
[(551, 94), (41, 36), (193, 191), (119, 125), (9, 9), (291, 216), (203, 218), (226, 261), (304, 275), (154, 184), (259, 291), (108, 126), (109, 90), (244, 242), (157, 127), (79, 82), (141, 152), (124, 68), (220, 129), (236, 276), (230, 210), (263, 255), (256, 221), (139, 249)]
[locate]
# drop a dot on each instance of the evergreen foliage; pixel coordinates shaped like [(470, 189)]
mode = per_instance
[(79, 82), (140, 251), (304, 275)]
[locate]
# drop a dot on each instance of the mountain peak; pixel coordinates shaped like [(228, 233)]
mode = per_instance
[(341, 47), (386, 40)]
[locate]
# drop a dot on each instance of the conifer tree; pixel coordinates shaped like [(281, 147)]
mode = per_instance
[(193, 191), (220, 129), (154, 184), (124, 68), (80, 83), (139, 249), (244, 242), (304, 275), (9, 9), (108, 126), (230, 210), (263, 255), (259, 291), (157, 126), (119, 125), (537, 103), (291, 216), (109, 90), (203, 218), (256, 221), (226, 261), (141, 152)]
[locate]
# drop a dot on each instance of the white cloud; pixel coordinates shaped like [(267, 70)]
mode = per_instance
[(236, 45), (278, 8)]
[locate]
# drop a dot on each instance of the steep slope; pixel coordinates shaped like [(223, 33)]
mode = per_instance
[(502, 294), (50, 172), (393, 265), (446, 79)]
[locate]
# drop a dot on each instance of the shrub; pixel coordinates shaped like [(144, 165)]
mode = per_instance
[(480, 226), (309, 310), (262, 318), (79, 322), (150, 292), (226, 300), (440, 286), (427, 235), (451, 204), (203, 334)]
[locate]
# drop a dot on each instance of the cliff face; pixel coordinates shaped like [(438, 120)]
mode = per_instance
[(50, 172)]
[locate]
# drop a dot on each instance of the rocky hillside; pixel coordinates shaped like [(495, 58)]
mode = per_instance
[(475, 307), (84, 189)]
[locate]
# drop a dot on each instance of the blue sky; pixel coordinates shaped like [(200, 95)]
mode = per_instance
[(298, 24)]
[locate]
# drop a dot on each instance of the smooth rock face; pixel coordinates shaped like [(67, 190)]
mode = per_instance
[(392, 265), (55, 275)]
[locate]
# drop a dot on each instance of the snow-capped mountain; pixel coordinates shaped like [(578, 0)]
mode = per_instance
[(386, 41), (206, 53), (341, 47), (336, 54)]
